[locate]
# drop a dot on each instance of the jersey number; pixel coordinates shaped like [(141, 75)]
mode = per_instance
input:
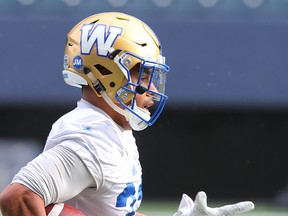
[(129, 192)]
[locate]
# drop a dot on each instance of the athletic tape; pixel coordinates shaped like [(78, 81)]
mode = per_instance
[(56, 210)]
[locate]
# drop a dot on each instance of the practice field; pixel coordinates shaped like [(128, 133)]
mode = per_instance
[(150, 208), (168, 209)]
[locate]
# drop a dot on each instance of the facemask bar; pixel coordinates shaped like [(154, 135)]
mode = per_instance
[(151, 81)]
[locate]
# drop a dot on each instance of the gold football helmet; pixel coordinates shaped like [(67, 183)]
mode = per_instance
[(100, 52)]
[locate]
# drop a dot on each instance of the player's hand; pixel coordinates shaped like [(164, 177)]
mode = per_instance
[(188, 208)]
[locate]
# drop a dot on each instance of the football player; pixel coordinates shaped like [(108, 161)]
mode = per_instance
[(90, 159)]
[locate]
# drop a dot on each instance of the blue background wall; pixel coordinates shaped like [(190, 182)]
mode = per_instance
[(225, 55)]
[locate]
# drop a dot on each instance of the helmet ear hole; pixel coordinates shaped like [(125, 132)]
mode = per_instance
[(103, 70)]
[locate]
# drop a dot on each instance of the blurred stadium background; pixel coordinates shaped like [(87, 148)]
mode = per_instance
[(224, 129)]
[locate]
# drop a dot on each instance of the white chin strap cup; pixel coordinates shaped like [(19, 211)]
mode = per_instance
[(135, 122)]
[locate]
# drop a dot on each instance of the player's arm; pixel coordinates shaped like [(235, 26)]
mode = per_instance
[(188, 208), (54, 176), (17, 200)]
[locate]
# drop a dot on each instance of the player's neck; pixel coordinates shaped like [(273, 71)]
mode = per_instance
[(89, 95)]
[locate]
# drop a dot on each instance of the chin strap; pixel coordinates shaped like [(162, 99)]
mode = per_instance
[(135, 122)]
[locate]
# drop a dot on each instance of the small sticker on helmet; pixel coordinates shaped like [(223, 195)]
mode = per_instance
[(77, 62), (66, 62)]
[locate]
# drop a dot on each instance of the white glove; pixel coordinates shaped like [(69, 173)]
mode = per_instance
[(188, 208)]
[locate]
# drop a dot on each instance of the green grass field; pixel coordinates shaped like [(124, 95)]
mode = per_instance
[(150, 208), (168, 209)]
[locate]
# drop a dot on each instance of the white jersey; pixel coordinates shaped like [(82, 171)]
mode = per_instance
[(89, 162)]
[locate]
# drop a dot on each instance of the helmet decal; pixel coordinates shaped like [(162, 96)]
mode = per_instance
[(77, 62), (90, 36)]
